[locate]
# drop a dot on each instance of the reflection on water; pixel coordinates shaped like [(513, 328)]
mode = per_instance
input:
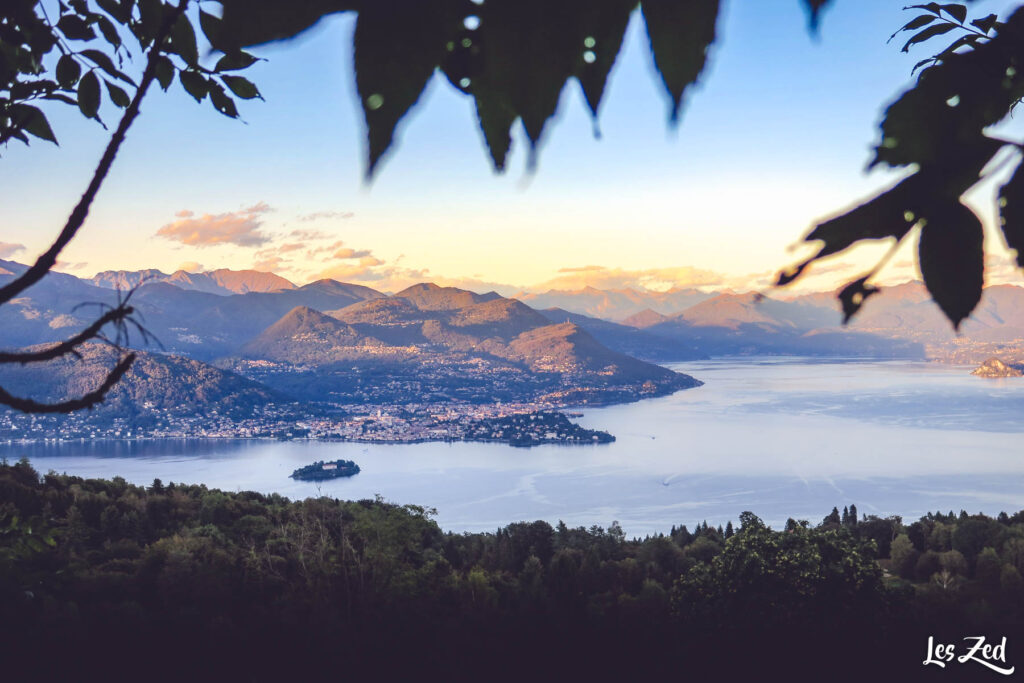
[(778, 437)]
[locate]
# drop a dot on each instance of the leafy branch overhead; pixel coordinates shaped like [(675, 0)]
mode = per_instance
[(72, 58), (90, 43), (938, 129), (513, 57)]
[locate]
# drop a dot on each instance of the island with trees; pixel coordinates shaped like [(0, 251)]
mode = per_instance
[(323, 471)]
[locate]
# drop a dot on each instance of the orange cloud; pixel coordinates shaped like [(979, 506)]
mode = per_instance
[(9, 249), (271, 263), (655, 279), (240, 228), (349, 253)]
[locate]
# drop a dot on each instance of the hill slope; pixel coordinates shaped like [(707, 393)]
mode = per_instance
[(155, 382)]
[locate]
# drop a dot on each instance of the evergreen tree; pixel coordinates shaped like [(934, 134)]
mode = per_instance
[(728, 530)]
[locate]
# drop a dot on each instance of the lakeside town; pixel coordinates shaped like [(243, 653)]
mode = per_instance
[(518, 424)]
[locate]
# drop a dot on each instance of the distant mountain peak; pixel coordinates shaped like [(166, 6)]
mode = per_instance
[(223, 281), (428, 296), (645, 318)]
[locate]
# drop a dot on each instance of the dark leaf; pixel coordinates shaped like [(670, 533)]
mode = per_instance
[(75, 27), (496, 118), (222, 103), (952, 260), (853, 296), (89, 95), (68, 71), (253, 22), (183, 40), (890, 214), (944, 115), (151, 17), (165, 72), (120, 10), (211, 26), (920, 64), (194, 84), (235, 60), (104, 62), (792, 274), (929, 32), (931, 7), (118, 96), (814, 8), (398, 44), (985, 25), (681, 33), (242, 87), (27, 89), (32, 120), (1011, 213), (958, 12), (916, 22), (60, 97), (603, 24), (109, 32), (960, 42)]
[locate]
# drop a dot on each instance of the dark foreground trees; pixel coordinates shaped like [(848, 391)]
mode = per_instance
[(185, 581)]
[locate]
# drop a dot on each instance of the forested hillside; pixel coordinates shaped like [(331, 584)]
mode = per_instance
[(108, 573)]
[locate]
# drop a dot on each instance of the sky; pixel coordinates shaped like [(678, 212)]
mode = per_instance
[(775, 138)]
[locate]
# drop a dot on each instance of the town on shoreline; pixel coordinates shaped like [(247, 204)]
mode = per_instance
[(517, 424)]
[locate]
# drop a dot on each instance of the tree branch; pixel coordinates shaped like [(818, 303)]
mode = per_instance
[(88, 401), (49, 259), (69, 345)]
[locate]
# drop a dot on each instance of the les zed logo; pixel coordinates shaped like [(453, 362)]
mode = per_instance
[(979, 651)]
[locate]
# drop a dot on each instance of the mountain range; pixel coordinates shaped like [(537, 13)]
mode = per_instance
[(347, 343), (334, 340), (222, 281), (435, 343)]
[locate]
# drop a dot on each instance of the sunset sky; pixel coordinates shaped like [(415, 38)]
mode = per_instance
[(776, 137)]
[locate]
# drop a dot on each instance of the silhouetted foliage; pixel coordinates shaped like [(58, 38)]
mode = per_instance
[(90, 38), (265, 587), (938, 128)]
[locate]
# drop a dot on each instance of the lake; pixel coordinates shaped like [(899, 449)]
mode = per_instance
[(780, 437)]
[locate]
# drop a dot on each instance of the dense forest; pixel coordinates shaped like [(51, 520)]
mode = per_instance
[(172, 581)]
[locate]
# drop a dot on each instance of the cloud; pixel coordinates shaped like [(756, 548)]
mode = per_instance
[(191, 267), (271, 263), (581, 269), (66, 265), (309, 235), (293, 246), (240, 228), (9, 249), (314, 251), (321, 215), (654, 279), (349, 253)]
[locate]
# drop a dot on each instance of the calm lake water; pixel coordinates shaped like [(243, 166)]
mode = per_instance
[(781, 438)]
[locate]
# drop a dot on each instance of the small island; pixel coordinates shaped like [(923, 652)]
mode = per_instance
[(320, 471)]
